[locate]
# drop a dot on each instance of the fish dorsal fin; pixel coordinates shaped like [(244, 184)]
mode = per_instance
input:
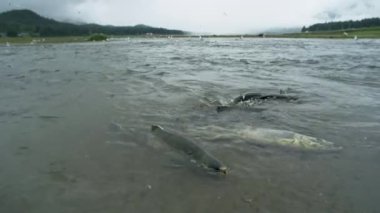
[(155, 127)]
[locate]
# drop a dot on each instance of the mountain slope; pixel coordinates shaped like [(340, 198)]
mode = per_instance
[(26, 21)]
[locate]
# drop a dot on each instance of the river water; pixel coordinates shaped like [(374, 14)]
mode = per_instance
[(75, 125)]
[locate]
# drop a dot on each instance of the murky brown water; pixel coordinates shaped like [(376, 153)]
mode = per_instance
[(75, 125)]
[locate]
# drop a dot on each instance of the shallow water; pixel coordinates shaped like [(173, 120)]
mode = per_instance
[(75, 125)]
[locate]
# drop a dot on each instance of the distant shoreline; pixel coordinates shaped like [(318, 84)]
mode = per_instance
[(365, 33), (361, 33)]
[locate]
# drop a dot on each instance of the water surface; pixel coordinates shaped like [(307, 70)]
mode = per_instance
[(75, 125)]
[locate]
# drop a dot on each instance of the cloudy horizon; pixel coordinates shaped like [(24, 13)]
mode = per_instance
[(211, 16)]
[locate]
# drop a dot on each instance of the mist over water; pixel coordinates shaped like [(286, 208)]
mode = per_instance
[(75, 125)]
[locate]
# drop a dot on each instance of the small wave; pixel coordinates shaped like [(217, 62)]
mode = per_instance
[(14, 113), (122, 143), (311, 61), (115, 127), (220, 45), (212, 62), (42, 71), (175, 58), (162, 73), (365, 66), (129, 71), (46, 58), (285, 61), (244, 61)]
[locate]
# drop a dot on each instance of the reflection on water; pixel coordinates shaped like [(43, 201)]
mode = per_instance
[(75, 125)]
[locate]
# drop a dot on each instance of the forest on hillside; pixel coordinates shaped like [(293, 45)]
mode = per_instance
[(16, 22), (342, 25)]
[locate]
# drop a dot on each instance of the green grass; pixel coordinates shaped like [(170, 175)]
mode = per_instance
[(373, 32)]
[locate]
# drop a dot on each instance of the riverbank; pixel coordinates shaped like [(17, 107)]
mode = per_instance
[(72, 39), (35, 40), (372, 33)]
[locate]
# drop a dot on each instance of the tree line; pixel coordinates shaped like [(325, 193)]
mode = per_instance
[(343, 25)]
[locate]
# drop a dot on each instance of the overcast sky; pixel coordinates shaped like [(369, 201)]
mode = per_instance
[(213, 16)]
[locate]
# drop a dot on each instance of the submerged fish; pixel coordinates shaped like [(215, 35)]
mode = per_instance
[(259, 96), (253, 99), (288, 139), (189, 148), (274, 137)]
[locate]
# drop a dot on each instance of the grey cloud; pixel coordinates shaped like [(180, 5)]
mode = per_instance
[(369, 5), (60, 9), (328, 16), (352, 6), (350, 9), (220, 16)]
